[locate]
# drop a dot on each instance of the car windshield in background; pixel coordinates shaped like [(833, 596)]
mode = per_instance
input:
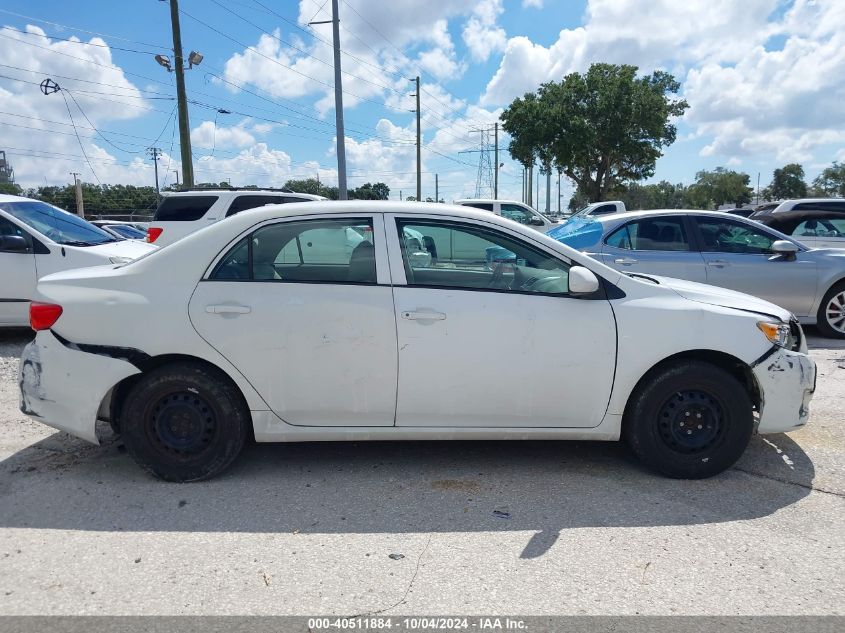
[(578, 232), (60, 226), (129, 232)]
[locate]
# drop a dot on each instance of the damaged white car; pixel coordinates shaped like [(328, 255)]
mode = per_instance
[(442, 323)]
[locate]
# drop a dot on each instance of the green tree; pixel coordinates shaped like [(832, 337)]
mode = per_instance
[(377, 191), (714, 188), (831, 182), (11, 189), (312, 186), (787, 182), (601, 129)]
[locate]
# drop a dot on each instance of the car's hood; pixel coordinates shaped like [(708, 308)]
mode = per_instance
[(130, 249), (713, 295)]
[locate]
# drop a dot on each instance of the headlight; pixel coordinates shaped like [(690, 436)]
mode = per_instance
[(777, 333), (120, 260)]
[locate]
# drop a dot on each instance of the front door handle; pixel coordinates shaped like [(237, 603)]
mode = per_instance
[(625, 261), (423, 315), (228, 309), (718, 263)]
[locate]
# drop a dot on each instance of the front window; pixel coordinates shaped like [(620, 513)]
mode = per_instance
[(455, 255), (316, 251), (60, 226), (517, 213), (725, 236), (822, 227), (651, 234)]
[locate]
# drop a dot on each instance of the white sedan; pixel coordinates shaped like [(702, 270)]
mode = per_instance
[(266, 324)]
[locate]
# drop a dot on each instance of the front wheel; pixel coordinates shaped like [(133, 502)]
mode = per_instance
[(689, 420), (184, 422), (831, 316)]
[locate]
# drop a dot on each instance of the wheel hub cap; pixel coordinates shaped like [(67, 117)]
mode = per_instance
[(835, 312), (183, 422), (691, 421)]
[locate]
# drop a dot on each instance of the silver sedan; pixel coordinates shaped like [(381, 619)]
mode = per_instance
[(721, 250)]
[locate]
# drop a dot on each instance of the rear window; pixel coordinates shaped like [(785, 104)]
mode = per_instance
[(242, 203), (479, 205), (183, 208), (833, 205)]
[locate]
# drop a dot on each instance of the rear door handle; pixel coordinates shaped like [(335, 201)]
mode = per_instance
[(625, 261), (423, 315), (227, 309), (718, 263)]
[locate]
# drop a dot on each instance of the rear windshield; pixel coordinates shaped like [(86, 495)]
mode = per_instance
[(183, 208), (60, 226)]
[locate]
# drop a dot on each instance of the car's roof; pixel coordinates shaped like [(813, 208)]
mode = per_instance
[(238, 192), (788, 205), (489, 200), (619, 217), (4, 197)]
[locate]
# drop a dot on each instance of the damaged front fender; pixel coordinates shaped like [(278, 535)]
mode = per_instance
[(63, 387)]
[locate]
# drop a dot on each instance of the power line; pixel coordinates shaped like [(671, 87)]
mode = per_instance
[(72, 41)]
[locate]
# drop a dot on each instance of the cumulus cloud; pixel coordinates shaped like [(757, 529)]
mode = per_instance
[(481, 34), (210, 134)]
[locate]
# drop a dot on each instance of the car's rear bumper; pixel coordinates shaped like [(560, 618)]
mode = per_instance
[(787, 381), (64, 387)]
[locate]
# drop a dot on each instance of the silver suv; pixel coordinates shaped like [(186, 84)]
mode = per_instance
[(184, 212)]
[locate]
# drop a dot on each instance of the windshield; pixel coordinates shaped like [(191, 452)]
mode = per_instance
[(129, 232), (60, 226)]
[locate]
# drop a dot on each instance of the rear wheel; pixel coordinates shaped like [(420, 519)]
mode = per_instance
[(831, 315), (689, 420), (184, 422)]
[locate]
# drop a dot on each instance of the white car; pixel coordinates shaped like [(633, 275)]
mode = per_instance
[(266, 326), (37, 239), (512, 210), (181, 213)]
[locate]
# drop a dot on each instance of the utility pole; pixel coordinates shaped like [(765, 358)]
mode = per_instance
[(77, 184), (436, 187), (419, 164), (549, 191), (536, 200), (523, 183), (758, 187), (558, 193), (176, 171), (530, 188), (342, 192), (400, 195), (496, 161), (155, 152), (181, 99)]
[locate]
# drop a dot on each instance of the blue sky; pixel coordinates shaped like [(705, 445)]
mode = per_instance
[(764, 79)]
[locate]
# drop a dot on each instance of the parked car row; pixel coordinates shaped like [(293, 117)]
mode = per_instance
[(389, 321)]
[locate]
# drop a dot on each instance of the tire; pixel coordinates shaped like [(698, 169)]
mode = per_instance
[(831, 314), (184, 422), (689, 420)]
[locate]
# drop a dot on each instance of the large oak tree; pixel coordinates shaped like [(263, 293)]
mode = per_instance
[(601, 129)]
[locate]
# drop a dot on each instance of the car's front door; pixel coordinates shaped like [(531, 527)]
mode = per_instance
[(17, 279), (659, 245), (304, 309), (496, 341), (739, 256)]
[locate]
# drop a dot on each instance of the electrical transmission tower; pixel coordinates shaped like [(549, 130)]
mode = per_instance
[(484, 181)]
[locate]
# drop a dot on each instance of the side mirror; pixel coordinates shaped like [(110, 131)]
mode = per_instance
[(785, 248), (13, 244), (582, 281), (535, 221)]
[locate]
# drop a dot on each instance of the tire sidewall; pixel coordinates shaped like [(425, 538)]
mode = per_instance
[(138, 432), (643, 420), (821, 318)]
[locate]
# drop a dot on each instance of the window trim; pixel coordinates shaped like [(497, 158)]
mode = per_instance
[(402, 282), (692, 238), (376, 219)]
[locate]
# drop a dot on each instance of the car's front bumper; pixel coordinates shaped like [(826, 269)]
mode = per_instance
[(787, 381), (64, 387)]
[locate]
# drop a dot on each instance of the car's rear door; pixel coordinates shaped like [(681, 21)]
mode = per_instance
[(659, 245), (739, 256), (304, 309), (497, 341)]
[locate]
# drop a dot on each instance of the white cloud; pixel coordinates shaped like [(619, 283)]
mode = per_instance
[(481, 34), (535, 4), (208, 134)]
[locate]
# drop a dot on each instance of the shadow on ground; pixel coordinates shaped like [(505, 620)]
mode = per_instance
[(389, 487)]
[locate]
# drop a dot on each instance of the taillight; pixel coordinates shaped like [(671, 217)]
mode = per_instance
[(153, 233), (42, 316)]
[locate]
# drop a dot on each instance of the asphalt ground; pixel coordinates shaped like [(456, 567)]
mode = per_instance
[(529, 528)]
